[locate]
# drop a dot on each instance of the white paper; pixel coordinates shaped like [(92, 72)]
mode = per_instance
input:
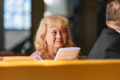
[(68, 53)]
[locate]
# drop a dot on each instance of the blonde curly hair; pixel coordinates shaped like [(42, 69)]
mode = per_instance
[(50, 21)]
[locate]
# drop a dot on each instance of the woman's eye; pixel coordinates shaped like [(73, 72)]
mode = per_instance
[(64, 31), (53, 33)]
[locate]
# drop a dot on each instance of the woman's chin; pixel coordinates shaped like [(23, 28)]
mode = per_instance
[(59, 46)]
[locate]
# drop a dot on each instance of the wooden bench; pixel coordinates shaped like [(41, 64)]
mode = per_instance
[(60, 70)]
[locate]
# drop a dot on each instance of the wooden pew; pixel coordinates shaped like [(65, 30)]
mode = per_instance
[(60, 70)]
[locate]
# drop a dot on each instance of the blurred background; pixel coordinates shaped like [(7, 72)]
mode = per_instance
[(19, 20)]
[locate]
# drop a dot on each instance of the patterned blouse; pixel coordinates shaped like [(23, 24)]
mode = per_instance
[(37, 56)]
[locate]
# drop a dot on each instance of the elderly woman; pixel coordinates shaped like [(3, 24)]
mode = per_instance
[(53, 33)]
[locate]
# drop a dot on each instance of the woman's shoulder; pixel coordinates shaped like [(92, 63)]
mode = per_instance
[(37, 55)]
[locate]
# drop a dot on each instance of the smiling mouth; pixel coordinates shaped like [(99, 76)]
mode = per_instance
[(59, 42)]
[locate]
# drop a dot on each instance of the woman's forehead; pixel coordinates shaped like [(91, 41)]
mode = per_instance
[(56, 28), (56, 22)]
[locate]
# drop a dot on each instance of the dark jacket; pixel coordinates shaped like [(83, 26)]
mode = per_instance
[(107, 45)]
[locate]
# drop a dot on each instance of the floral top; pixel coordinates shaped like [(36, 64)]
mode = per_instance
[(37, 56)]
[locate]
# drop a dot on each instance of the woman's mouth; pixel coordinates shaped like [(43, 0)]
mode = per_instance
[(59, 42)]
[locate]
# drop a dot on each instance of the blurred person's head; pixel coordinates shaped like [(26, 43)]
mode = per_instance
[(113, 14), (53, 33)]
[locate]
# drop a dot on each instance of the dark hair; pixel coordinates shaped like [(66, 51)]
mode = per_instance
[(113, 10)]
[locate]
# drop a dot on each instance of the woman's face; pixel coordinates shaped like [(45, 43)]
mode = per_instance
[(56, 37)]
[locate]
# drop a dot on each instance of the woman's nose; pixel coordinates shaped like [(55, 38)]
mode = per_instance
[(58, 35)]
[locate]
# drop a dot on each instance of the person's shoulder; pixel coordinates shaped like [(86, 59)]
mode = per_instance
[(108, 30), (111, 31), (37, 55)]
